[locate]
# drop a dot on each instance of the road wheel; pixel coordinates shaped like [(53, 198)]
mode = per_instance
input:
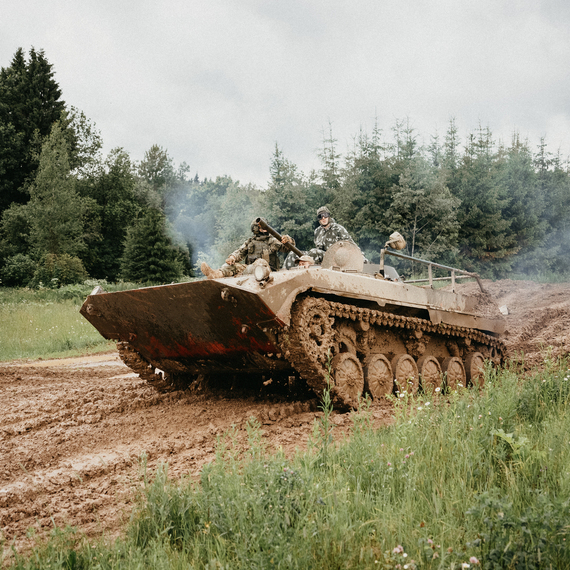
[(378, 376), (430, 373), (348, 379), (405, 372), (455, 372), (475, 368)]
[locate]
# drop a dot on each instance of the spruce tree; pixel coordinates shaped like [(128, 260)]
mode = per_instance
[(287, 203), (553, 188), (30, 103), (487, 242), (423, 209), (150, 255), (330, 170), (56, 211), (525, 206)]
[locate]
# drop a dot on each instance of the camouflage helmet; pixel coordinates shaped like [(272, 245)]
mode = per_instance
[(255, 226), (323, 210)]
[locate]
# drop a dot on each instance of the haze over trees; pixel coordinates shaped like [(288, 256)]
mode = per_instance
[(67, 211)]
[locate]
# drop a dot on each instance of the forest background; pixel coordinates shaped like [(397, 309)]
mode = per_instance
[(68, 213)]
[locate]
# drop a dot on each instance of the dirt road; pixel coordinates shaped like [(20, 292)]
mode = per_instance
[(72, 431), (538, 316)]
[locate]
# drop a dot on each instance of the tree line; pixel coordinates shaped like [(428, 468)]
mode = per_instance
[(67, 212)]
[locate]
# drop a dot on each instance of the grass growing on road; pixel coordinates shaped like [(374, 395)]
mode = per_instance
[(466, 479)]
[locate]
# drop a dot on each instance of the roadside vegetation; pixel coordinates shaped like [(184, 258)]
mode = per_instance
[(46, 323), (468, 479)]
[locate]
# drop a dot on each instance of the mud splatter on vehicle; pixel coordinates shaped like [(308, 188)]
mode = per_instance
[(355, 324)]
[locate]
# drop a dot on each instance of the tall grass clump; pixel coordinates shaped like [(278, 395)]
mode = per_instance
[(478, 478)]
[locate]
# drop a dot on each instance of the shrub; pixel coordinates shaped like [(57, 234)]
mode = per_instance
[(18, 270), (57, 270)]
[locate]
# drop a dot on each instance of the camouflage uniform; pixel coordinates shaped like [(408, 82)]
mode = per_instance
[(324, 238), (255, 247), (261, 245)]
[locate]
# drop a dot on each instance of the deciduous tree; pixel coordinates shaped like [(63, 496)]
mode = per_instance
[(112, 185)]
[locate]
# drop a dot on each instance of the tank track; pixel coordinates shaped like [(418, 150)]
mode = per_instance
[(143, 368), (309, 342)]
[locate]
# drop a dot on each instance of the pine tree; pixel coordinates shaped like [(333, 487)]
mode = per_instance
[(29, 105), (56, 211), (150, 255), (288, 202)]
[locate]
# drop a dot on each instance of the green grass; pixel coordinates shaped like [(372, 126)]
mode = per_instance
[(480, 476), (46, 323), (32, 330)]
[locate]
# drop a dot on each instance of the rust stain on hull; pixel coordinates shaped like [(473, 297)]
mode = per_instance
[(184, 322)]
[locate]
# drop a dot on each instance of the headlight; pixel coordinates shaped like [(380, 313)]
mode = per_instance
[(262, 272)]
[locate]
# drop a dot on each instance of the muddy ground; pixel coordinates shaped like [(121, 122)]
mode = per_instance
[(72, 431)]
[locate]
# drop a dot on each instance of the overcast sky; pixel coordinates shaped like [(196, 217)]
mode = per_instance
[(218, 82)]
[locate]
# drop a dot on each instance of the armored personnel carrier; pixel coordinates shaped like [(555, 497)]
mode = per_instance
[(353, 326)]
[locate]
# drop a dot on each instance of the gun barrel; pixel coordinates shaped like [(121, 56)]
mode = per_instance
[(277, 235)]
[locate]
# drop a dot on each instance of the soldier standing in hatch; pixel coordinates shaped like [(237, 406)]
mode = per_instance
[(327, 234), (261, 246)]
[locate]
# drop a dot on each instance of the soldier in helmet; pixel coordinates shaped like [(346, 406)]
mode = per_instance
[(326, 234), (261, 245)]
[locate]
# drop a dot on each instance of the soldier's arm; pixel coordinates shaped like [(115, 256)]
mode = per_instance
[(275, 245), (344, 235), (282, 244), (318, 239)]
